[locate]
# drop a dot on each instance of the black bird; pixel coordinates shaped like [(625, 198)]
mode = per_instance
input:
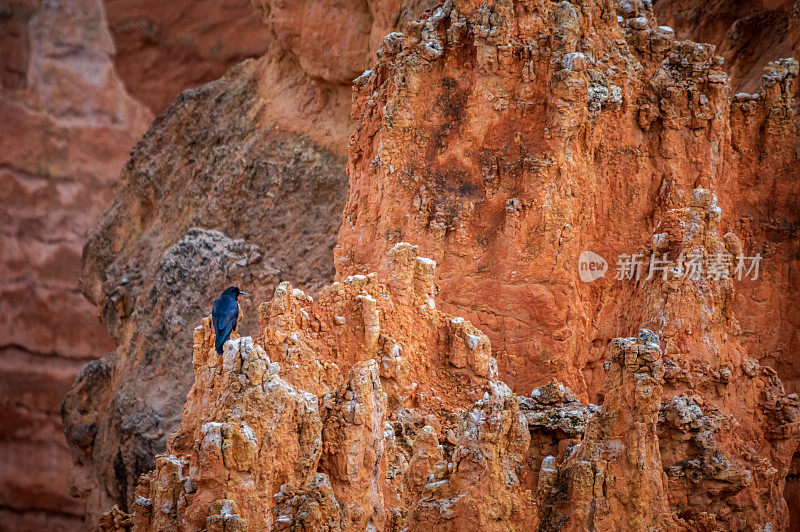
[(224, 314)]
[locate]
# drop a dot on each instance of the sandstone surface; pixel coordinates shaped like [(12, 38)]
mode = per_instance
[(747, 34), (262, 204), (269, 137), (75, 99), (504, 139), (162, 48), (368, 408)]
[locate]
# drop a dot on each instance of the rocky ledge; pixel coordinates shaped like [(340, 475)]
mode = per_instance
[(370, 409)]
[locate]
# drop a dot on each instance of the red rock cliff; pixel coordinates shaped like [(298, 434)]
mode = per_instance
[(368, 408), (504, 140), (747, 34), (268, 137), (76, 80)]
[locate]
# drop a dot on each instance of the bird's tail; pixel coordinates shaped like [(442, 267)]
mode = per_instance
[(219, 342)]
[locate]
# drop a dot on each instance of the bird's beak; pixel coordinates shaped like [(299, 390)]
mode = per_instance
[(242, 293)]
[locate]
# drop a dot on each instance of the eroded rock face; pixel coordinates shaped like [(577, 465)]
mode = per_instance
[(68, 124), (616, 473), (748, 35), (166, 246), (269, 137), (348, 31), (357, 411), (506, 140), (689, 436), (334, 410)]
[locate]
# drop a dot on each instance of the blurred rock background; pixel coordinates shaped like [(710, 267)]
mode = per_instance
[(80, 81)]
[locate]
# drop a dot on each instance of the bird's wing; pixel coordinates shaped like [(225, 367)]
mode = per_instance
[(224, 314), (228, 321)]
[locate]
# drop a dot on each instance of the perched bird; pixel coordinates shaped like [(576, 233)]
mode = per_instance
[(224, 314)]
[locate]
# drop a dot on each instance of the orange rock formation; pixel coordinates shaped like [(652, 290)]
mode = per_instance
[(268, 137), (501, 138), (747, 34), (371, 409), (505, 141)]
